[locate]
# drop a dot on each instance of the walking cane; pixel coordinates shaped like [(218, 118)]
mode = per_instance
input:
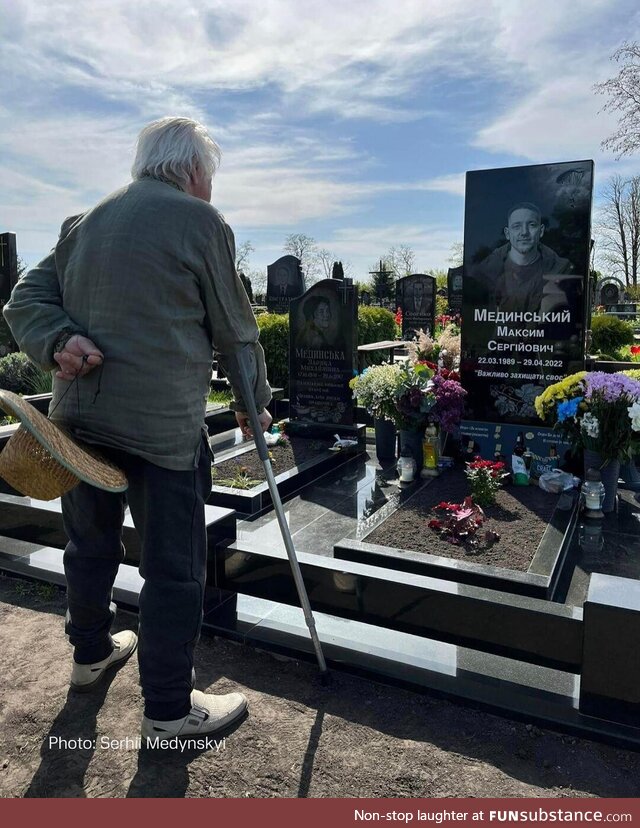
[(242, 358)]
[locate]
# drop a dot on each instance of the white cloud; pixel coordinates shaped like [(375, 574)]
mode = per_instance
[(430, 242), (453, 183), (550, 110)]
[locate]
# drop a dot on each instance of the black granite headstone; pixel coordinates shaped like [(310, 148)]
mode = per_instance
[(323, 339), (609, 295), (454, 289), (285, 282), (8, 265), (416, 297)]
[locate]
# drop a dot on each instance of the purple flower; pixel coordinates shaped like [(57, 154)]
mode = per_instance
[(610, 386)]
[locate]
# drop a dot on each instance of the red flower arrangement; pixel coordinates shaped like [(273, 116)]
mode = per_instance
[(460, 523), (485, 478)]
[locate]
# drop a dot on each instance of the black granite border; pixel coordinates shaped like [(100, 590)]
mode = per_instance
[(542, 580), (254, 500)]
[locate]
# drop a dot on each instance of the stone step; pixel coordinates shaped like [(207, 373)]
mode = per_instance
[(40, 522)]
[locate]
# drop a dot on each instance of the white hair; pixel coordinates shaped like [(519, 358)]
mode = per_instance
[(173, 147)]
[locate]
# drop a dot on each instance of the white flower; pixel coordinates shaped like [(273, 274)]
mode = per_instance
[(634, 414), (590, 424)]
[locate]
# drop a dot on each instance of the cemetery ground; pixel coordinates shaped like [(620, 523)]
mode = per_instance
[(352, 738)]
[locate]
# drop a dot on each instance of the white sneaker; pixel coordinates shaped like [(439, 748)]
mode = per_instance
[(84, 677), (209, 714)]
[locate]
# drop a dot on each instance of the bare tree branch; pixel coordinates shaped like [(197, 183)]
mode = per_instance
[(618, 228), (306, 249), (623, 92)]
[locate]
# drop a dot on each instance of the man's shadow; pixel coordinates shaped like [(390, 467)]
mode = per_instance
[(62, 769)]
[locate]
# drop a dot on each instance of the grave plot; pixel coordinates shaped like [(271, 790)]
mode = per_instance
[(239, 480), (521, 545)]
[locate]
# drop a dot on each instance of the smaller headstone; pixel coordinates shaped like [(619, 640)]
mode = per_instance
[(416, 298), (454, 289), (8, 265), (323, 339), (365, 298), (285, 282), (609, 292)]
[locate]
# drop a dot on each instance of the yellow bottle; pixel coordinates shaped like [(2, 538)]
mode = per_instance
[(430, 452)]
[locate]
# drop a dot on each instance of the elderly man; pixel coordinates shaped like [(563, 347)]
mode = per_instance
[(132, 301), (523, 275)]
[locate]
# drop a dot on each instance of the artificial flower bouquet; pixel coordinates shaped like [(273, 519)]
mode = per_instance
[(485, 479), (595, 411)]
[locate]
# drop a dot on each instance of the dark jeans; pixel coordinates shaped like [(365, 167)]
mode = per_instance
[(167, 508)]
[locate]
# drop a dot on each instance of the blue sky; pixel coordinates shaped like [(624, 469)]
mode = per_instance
[(350, 122)]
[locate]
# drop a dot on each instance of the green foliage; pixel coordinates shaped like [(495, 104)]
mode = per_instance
[(608, 334), (240, 479), (383, 282), (375, 325), (442, 305), (274, 337), (20, 375), (485, 480), (220, 397)]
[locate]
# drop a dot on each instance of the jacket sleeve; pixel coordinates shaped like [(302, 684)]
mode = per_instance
[(230, 320), (35, 313)]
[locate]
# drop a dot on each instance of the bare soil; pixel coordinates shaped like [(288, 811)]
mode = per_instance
[(353, 738), (285, 456), (519, 516)]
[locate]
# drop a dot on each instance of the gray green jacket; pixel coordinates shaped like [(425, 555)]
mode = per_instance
[(149, 275)]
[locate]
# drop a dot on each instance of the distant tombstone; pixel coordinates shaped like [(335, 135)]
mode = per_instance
[(365, 298), (8, 265), (284, 283), (454, 289), (322, 353), (609, 292), (416, 297)]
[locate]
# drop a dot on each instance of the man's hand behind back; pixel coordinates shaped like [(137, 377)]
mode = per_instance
[(71, 358)]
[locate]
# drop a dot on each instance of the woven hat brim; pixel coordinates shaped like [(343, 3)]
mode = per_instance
[(85, 462)]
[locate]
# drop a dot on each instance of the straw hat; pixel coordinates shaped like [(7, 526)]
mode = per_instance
[(42, 461)]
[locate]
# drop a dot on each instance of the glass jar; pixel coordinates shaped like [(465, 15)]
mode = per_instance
[(406, 466), (592, 494)]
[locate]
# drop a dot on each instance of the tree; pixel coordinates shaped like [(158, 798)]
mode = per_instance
[(243, 251), (456, 257), (337, 271), (401, 260), (619, 228), (325, 262), (258, 280), (383, 282), (246, 281), (623, 92), (306, 249)]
